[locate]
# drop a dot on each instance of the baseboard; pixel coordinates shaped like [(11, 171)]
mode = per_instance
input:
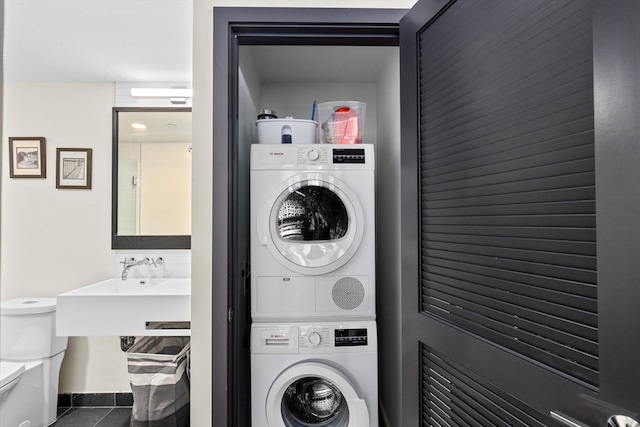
[(110, 400)]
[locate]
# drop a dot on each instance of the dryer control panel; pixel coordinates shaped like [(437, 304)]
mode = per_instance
[(312, 157), (348, 155)]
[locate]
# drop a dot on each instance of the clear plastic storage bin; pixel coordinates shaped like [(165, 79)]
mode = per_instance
[(341, 122)]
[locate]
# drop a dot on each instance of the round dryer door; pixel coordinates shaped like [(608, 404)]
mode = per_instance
[(313, 394), (315, 223)]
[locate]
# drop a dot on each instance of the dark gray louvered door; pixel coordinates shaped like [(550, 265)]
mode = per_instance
[(521, 212)]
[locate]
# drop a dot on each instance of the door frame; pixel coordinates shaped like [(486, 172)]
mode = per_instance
[(230, 265)]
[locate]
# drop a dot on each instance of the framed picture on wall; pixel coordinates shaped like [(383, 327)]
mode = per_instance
[(73, 168), (27, 157)]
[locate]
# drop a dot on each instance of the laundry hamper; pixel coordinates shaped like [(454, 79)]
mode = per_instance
[(159, 376)]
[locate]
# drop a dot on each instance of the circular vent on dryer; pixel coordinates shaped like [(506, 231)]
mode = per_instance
[(348, 293)]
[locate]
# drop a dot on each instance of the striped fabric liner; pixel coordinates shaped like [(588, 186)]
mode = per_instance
[(159, 376)]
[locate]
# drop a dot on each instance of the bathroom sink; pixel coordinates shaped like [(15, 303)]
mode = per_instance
[(126, 307)]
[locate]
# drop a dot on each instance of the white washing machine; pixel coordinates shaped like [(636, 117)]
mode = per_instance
[(312, 232), (314, 374)]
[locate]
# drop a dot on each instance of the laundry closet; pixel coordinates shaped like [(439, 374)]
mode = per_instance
[(287, 76), (289, 80), (501, 131)]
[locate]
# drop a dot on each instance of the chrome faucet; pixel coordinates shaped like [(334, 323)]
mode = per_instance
[(128, 263), (131, 262), (147, 261)]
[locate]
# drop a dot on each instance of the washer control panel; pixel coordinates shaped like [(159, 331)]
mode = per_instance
[(318, 337), (351, 337), (314, 338)]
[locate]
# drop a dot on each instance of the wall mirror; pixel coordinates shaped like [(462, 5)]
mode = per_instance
[(151, 178)]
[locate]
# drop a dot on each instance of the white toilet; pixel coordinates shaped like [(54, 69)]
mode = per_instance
[(30, 358)]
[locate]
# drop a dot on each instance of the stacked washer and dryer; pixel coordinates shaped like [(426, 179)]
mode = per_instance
[(313, 334)]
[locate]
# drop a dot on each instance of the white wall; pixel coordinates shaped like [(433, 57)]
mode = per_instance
[(56, 240)]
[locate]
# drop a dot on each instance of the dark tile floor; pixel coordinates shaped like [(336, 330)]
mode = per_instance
[(93, 417)]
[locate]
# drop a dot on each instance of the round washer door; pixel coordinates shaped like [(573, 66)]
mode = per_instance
[(312, 223), (314, 394)]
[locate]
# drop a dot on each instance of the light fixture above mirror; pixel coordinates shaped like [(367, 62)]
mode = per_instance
[(175, 95), (151, 92)]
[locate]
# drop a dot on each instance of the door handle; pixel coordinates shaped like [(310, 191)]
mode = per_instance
[(622, 421), (558, 416), (614, 420)]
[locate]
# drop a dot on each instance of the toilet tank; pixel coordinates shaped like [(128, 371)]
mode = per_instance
[(28, 329)]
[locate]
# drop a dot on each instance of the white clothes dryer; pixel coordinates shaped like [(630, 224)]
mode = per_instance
[(312, 232), (314, 374)]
